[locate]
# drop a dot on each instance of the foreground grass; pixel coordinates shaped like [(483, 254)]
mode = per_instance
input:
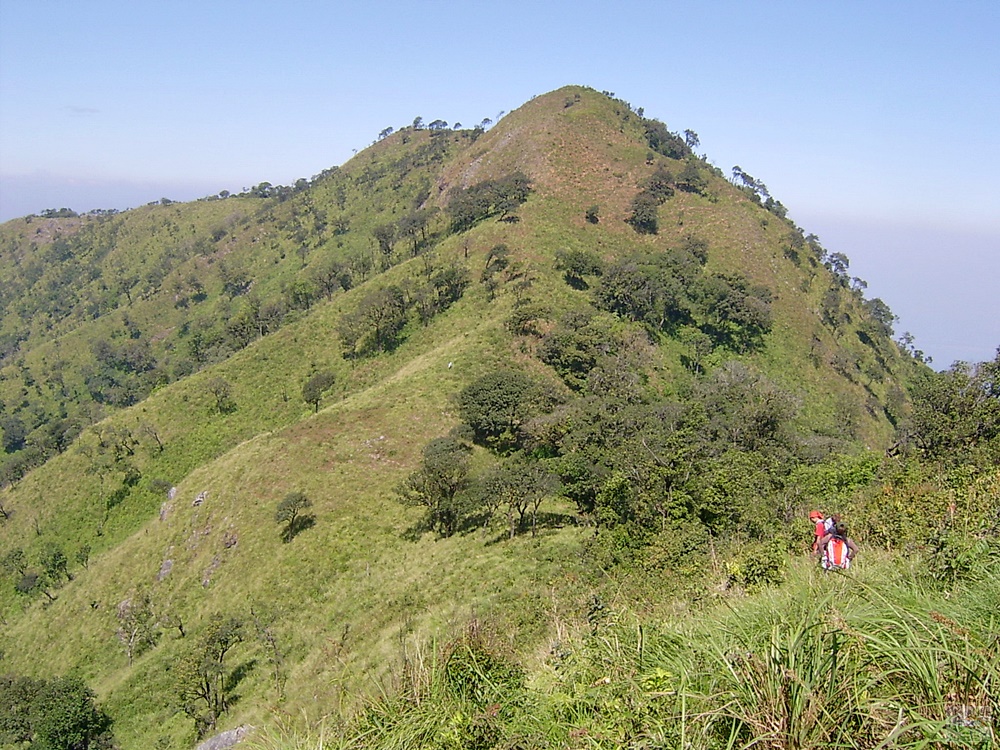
[(876, 659)]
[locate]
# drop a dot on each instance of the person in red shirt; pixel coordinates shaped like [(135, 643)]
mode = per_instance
[(819, 528)]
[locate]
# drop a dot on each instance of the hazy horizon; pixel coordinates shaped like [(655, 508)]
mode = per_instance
[(877, 125)]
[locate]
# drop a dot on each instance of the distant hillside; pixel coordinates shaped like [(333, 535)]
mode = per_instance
[(352, 415)]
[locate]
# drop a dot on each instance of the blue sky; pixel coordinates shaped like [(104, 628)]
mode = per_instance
[(876, 123)]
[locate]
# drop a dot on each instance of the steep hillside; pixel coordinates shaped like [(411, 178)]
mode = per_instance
[(676, 350)]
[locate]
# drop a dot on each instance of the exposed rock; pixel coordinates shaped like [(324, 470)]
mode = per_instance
[(226, 739), (206, 578), (165, 569)]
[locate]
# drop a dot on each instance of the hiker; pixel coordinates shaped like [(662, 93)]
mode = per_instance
[(819, 528), (836, 549)]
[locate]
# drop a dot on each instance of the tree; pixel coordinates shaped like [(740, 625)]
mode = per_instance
[(956, 414), (204, 682), (385, 236), (497, 404), (17, 696), (329, 276), (691, 139), (300, 294), (14, 433), (57, 714), (314, 387), (222, 390), (438, 484), (733, 312), (14, 468), (55, 563), (290, 512), (643, 218), (414, 226), (137, 625), (516, 485), (14, 562), (576, 264), (383, 312), (692, 179), (496, 261), (592, 214)]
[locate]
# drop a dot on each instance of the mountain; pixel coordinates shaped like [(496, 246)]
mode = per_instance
[(348, 417)]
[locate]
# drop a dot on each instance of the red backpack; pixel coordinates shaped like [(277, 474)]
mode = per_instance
[(835, 556)]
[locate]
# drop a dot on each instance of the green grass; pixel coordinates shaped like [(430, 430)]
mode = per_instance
[(874, 660)]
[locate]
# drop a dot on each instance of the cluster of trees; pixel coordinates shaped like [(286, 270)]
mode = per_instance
[(757, 190), (56, 714), (640, 466), (659, 187), (500, 198), (956, 415), (377, 323), (411, 227), (660, 476), (666, 142), (49, 571), (670, 290)]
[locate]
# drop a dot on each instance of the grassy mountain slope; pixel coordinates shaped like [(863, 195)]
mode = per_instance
[(351, 597)]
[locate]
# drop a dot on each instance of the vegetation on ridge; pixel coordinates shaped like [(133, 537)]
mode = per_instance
[(426, 449)]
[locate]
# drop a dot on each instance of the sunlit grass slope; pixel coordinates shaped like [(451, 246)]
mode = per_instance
[(350, 599)]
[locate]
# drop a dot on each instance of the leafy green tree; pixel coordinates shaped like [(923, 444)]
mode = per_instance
[(316, 386), (414, 227), (659, 185), (17, 696), (385, 236), (692, 178), (14, 433), (290, 512), (664, 141), (138, 629), (14, 562), (329, 276), (57, 714), (643, 218), (733, 312), (383, 313), (300, 294), (55, 563), (577, 264), (576, 344), (449, 284), (746, 410), (652, 289), (439, 483), (497, 404), (205, 683), (222, 391), (501, 197), (497, 261), (13, 469), (956, 414), (515, 486)]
